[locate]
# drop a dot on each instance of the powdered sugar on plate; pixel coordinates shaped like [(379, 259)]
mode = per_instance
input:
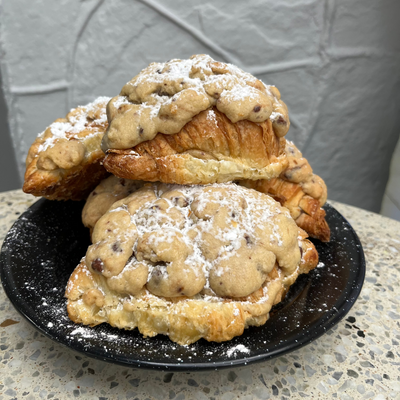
[(240, 348)]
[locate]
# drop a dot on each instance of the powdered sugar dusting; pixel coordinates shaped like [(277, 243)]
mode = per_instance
[(77, 121), (207, 231), (275, 115), (165, 96), (212, 117), (120, 100)]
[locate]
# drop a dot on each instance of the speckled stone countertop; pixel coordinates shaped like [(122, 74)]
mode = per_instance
[(358, 359)]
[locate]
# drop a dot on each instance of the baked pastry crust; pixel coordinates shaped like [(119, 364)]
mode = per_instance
[(184, 320), (65, 161), (196, 121), (299, 190), (189, 262), (209, 149)]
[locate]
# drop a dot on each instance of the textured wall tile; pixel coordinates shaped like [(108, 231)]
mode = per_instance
[(357, 130), (36, 42), (372, 24), (302, 106), (129, 39)]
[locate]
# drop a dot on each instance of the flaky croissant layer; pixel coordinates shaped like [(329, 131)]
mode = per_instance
[(209, 149)]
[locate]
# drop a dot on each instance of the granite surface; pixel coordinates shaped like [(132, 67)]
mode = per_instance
[(358, 359)]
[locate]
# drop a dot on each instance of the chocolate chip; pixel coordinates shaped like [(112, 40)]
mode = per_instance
[(260, 268), (156, 276), (180, 289), (116, 247), (122, 107), (141, 130), (248, 239), (122, 182), (180, 201), (257, 108), (161, 92), (97, 265), (290, 172), (280, 120), (159, 264), (159, 71)]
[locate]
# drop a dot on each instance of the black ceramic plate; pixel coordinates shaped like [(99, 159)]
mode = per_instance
[(47, 242)]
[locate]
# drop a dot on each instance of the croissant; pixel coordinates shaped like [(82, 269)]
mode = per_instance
[(299, 190), (185, 320), (64, 162), (208, 149), (189, 262), (195, 121)]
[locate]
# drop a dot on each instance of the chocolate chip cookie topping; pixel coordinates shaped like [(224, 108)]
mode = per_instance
[(67, 141), (165, 96), (220, 240)]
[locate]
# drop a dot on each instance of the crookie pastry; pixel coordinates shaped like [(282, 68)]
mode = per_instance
[(182, 244), (196, 121), (64, 162), (299, 190), (189, 262)]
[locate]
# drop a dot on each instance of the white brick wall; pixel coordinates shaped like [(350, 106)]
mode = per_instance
[(336, 64)]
